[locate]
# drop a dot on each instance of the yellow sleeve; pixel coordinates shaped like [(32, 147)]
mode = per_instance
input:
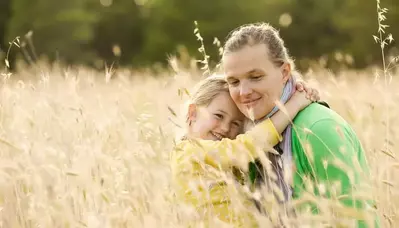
[(224, 153)]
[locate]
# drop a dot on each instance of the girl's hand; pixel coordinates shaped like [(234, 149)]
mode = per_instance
[(300, 100), (311, 93)]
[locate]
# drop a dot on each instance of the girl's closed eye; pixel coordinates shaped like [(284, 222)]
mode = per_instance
[(233, 82), (236, 124), (218, 116)]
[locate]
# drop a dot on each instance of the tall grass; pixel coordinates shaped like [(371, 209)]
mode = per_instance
[(80, 150)]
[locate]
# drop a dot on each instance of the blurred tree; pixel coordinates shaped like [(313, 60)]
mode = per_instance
[(4, 18), (140, 32), (360, 29), (119, 32), (312, 32), (172, 23), (61, 30)]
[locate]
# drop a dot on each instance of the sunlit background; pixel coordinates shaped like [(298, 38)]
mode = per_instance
[(333, 33), (91, 91)]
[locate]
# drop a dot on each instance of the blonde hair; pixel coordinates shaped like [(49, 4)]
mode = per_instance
[(259, 33), (203, 93), (206, 90)]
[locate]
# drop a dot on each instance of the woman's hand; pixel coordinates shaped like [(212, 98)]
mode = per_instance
[(311, 93)]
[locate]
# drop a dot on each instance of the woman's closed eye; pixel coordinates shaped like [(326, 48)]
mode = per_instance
[(256, 77)]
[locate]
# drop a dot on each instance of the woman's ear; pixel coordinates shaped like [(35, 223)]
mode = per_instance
[(192, 113), (286, 72)]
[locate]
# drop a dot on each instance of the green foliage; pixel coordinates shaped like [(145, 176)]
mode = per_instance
[(133, 32), (120, 25), (62, 30), (4, 15)]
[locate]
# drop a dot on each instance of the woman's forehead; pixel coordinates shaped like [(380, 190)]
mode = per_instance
[(246, 60)]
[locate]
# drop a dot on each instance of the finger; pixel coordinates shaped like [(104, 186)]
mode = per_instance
[(300, 86), (315, 96), (308, 89), (311, 95), (309, 92)]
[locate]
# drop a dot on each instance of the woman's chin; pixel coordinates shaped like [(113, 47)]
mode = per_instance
[(260, 113)]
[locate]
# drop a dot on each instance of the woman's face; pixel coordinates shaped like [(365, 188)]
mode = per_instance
[(220, 119), (255, 83)]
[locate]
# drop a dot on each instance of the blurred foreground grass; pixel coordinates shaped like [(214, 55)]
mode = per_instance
[(79, 150)]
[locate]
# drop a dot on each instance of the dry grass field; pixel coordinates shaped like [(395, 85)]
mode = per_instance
[(80, 150)]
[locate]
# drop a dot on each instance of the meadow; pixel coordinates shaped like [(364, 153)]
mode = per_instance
[(80, 148)]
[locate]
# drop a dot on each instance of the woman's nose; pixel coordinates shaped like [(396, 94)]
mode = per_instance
[(245, 89)]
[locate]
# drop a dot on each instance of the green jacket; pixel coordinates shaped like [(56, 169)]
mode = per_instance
[(326, 151)]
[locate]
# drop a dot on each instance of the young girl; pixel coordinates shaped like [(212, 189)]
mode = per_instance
[(211, 148)]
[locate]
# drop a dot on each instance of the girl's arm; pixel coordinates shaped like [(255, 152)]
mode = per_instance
[(227, 152), (295, 104)]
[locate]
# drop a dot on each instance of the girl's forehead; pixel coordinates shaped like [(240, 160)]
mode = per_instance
[(222, 100), (224, 104)]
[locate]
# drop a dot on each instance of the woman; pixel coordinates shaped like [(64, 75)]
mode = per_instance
[(320, 149), (211, 148)]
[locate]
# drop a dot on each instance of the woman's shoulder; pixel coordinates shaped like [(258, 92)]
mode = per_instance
[(314, 113), (319, 112)]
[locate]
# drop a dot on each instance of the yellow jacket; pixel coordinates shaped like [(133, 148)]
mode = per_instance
[(199, 169)]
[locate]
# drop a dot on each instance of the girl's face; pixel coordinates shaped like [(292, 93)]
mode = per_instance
[(220, 119)]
